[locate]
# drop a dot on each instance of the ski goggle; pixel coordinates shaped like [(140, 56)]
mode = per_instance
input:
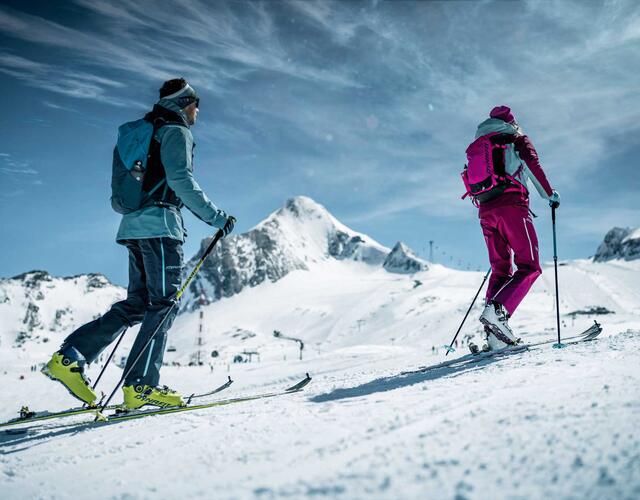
[(184, 97), (188, 100)]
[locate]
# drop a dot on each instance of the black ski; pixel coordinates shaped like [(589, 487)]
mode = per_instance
[(588, 335)]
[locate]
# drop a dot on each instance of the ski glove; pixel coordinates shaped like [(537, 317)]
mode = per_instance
[(554, 200), (228, 226)]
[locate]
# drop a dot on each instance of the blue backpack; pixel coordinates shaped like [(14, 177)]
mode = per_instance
[(130, 158), (137, 171)]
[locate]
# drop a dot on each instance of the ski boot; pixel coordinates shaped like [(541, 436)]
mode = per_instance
[(496, 318), (136, 396), (494, 343), (67, 367)]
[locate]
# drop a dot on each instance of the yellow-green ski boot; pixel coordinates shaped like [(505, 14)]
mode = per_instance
[(136, 396), (70, 373)]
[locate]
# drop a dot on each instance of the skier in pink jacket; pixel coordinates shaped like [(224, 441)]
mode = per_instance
[(505, 218)]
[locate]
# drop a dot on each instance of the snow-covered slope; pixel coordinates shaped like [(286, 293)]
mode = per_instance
[(619, 243), (542, 424), (339, 305), (37, 308)]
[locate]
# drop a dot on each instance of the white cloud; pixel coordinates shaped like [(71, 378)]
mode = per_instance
[(59, 107), (24, 171), (60, 80), (397, 87), (185, 44)]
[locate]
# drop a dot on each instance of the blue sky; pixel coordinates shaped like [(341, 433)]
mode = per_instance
[(367, 107)]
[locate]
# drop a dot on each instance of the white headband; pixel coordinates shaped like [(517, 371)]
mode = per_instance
[(186, 88)]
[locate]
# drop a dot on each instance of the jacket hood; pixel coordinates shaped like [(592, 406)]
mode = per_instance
[(491, 125)]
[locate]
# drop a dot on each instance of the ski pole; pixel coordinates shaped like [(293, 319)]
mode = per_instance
[(215, 240), (555, 265), (468, 311), (109, 359)]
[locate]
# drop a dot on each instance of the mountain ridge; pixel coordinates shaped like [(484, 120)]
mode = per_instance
[(619, 243), (296, 236)]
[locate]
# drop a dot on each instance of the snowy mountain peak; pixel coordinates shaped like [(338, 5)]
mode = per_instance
[(619, 243), (304, 207), (404, 261), (300, 234), (320, 235)]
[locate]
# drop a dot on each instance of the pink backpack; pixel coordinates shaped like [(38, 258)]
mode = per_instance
[(484, 175)]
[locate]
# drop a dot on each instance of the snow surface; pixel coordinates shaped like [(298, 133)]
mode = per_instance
[(542, 424), (547, 423), (633, 235)]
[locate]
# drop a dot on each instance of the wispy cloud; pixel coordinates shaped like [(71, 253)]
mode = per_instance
[(24, 171), (16, 176), (330, 17), (60, 107), (72, 83), (16, 180), (370, 102), (9, 165), (215, 45)]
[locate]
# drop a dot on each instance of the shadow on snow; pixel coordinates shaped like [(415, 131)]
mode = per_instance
[(35, 435), (447, 369)]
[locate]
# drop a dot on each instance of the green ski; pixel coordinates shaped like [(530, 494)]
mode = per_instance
[(27, 416), (122, 416)]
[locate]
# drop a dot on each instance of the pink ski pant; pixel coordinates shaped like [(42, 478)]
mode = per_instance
[(508, 229)]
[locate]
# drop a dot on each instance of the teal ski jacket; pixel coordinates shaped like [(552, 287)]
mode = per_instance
[(176, 154)]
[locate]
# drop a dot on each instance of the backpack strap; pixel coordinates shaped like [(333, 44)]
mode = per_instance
[(156, 177)]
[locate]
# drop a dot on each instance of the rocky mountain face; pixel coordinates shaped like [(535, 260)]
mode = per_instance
[(402, 260), (296, 236), (619, 243), (39, 307)]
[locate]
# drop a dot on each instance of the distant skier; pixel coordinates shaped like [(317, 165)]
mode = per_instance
[(149, 192), (500, 162)]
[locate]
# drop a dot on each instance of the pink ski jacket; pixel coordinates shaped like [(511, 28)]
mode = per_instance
[(521, 162)]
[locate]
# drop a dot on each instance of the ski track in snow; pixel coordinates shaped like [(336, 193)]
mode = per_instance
[(546, 423)]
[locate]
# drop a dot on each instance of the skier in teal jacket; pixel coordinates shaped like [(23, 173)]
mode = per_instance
[(154, 235)]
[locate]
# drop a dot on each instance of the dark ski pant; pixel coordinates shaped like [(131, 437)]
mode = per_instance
[(508, 229), (155, 273)]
